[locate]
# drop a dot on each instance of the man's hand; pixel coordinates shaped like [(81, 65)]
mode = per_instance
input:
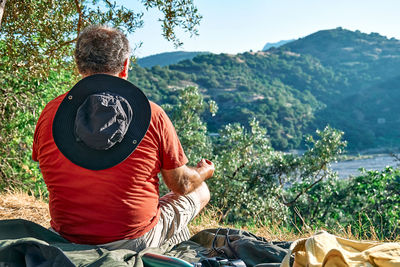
[(184, 179), (205, 168)]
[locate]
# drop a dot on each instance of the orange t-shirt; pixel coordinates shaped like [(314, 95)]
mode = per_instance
[(96, 207)]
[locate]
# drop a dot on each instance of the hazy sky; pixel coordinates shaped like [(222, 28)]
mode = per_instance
[(235, 26)]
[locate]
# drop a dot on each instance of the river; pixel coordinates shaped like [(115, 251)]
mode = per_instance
[(373, 162)]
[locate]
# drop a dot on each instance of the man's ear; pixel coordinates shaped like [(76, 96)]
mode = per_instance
[(124, 73)]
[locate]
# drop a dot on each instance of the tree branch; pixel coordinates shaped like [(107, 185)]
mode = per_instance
[(51, 51), (289, 204), (237, 170), (296, 210), (78, 30), (2, 7), (280, 179), (79, 10), (224, 214), (396, 157)]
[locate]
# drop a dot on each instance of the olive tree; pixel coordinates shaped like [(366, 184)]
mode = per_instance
[(36, 42), (253, 183)]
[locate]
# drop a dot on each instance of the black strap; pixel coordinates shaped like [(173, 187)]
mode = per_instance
[(228, 241), (218, 250), (226, 261)]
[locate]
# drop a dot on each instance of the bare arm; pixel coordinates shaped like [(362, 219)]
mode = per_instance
[(185, 179)]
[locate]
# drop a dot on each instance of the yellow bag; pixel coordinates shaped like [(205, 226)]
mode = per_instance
[(324, 249)]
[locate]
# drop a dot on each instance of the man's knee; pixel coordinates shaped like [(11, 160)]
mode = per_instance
[(203, 194)]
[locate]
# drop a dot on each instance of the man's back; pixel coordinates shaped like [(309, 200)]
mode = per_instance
[(100, 148), (101, 206)]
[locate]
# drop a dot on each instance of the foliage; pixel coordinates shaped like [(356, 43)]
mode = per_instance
[(254, 184), (177, 13), (368, 203), (252, 181), (241, 184), (36, 41), (191, 129), (374, 198), (304, 172), (264, 184), (18, 170)]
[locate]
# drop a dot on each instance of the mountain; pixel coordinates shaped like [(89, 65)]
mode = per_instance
[(369, 66), (276, 45), (347, 79), (359, 56), (270, 87), (167, 58)]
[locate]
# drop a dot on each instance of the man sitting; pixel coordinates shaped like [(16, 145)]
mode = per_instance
[(100, 147)]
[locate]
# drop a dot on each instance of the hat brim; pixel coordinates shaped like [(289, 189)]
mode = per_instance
[(63, 124)]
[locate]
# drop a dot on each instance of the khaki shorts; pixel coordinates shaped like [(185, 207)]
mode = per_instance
[(176, 213)]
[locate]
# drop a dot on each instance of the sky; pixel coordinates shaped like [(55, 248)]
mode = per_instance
[(236, 26)]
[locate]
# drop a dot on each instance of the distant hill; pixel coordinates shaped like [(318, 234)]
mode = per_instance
[(276, 88), (347, 79), (359, 56), (167, 58), (276, 45), (369, 66)]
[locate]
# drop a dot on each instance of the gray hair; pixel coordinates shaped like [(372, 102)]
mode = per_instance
[(101, 49)]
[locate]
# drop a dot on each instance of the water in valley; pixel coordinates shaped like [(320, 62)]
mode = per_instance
[(373, 162)]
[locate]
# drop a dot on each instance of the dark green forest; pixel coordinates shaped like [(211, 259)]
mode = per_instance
[(341, 78)]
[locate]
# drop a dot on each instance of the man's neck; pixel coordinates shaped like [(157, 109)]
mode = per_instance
[(119, 75)]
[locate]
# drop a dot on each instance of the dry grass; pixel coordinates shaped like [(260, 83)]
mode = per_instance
[(208, 219), (20, 205), (276, 232)]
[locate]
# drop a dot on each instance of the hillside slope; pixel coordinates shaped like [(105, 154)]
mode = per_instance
[(369, 65), (346, 79)]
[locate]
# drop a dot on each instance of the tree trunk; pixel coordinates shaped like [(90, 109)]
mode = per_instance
[(2, 6)]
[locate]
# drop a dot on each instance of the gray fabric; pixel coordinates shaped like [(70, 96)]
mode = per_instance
[(171, 228), (137, 244), (24, 243), (176, 213), (231, 244), (103, 120)]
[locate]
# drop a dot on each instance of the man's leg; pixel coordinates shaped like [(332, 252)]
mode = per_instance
[(176, 213), (202, 194)]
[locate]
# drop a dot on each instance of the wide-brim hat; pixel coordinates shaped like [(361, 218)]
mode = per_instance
[(130, 119)]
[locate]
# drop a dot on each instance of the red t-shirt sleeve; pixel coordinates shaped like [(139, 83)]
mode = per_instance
[(172, 154)]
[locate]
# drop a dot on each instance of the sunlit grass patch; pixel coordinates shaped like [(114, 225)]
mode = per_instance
[(20, 205)]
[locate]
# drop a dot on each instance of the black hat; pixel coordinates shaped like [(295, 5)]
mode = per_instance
[(101, 121)]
